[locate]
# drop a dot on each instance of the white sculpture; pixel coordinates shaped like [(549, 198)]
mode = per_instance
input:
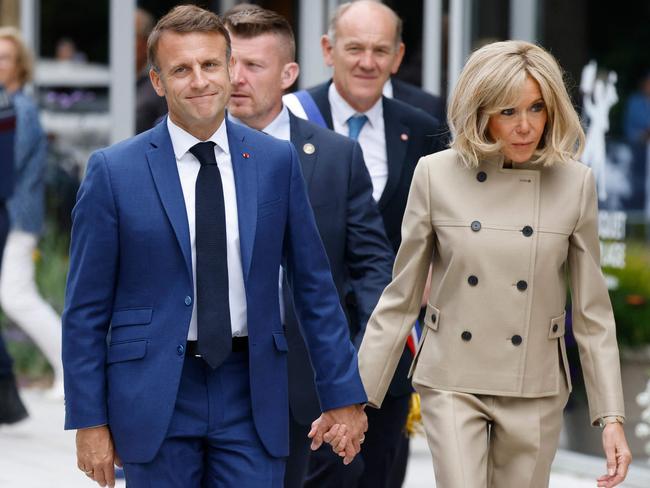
[(599, 97)]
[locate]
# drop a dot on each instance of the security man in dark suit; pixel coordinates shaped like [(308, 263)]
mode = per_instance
[(364, 47), (340, 192)]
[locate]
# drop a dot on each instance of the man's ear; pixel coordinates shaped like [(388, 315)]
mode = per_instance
[(398, 58), (290, 72), (327, 48), (157, 83)]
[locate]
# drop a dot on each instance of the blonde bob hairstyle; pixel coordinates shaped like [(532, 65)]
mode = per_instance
[(24, 63), (491, 81)]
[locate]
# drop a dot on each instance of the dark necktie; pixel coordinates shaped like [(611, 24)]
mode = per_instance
[(212, 308), (355, 124)]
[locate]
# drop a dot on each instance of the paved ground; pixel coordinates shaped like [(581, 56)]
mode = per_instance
[(37, 453)]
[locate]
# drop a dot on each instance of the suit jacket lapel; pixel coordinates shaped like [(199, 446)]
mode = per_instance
[(300, 137), (320, 95), (244, 157), (162, 164), (397, 139)]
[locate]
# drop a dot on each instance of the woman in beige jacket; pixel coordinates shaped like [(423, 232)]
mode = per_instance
[(505, 218)]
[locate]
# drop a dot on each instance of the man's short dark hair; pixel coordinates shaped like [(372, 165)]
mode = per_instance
[(247, 21), (185, 19)]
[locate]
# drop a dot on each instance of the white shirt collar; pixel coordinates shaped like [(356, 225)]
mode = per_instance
[(182, 140), (280, 125), (388, 89), (342, 111)]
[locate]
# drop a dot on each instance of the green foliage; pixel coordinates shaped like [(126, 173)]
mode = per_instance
[(631, 301)]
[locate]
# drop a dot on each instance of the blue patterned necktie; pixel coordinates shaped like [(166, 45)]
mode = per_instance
[(212, 307), (355, 124)]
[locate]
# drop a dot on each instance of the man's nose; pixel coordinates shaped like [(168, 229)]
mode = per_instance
[(366, 60), (199, 78)]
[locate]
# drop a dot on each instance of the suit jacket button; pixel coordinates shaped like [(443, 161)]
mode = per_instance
[(466, 336), (188, 300), (555, 327), (516, 340), (522, 285), (476, 226), (527, 231), (180, 350), (433, 318), (472, 280), (481, 176)]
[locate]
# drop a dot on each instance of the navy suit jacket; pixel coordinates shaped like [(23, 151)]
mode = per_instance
[(130, 291), (352, 231), (417, 97), (410, 134)]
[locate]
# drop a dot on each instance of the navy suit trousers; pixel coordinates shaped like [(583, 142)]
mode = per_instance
[(212, 441)]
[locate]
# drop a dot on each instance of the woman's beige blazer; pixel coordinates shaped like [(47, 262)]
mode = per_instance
[(503, 243)]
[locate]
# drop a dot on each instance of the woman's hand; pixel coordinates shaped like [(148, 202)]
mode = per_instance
[(618, 455)]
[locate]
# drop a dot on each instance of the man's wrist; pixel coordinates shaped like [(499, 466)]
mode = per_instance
[(610, 419)]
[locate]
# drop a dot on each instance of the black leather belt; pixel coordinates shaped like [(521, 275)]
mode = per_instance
[(239, 344)]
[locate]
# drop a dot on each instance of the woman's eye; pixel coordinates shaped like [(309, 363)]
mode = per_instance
[(538, 107), (508, 111)]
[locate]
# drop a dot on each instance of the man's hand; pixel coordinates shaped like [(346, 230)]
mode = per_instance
[(96, 456), (343, 428), (618, 455)]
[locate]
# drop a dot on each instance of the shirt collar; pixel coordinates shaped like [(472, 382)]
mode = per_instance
[(388, 89), (342, 111), (182, 140), (279, 126)]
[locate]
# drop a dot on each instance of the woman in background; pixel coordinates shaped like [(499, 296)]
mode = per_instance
[(19, 295)]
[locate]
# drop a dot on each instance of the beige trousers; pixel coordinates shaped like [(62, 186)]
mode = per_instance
[(483, 441)]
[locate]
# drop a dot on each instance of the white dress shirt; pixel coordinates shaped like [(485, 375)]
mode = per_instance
[(372, 137), (188, 170)]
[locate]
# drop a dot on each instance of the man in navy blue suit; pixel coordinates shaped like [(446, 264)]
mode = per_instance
[(173, 348), (339, 188), (364, 46)]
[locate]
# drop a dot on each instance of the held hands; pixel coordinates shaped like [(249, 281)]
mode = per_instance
[(343, 428), (617, 453), (96, 455)]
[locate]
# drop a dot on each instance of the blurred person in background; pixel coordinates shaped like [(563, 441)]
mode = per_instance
[(149, 107), (12, 409), (19, 296), (66, 50), (636, 124)]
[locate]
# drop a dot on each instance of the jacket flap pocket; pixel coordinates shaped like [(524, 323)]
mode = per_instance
[(131, 316), (556, 329), (126, 351), (432, 317), (280, 341)]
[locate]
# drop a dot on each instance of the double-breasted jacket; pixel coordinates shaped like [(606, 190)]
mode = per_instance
[(503, 244)]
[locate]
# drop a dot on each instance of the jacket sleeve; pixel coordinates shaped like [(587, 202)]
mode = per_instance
[(399, 305), (368, 253), (90, 288), (593, 318), (316, 300)]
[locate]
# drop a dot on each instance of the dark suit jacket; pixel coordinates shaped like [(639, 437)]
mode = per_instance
[(410, 134), (352, 231), (417, 97), (129, 294)]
